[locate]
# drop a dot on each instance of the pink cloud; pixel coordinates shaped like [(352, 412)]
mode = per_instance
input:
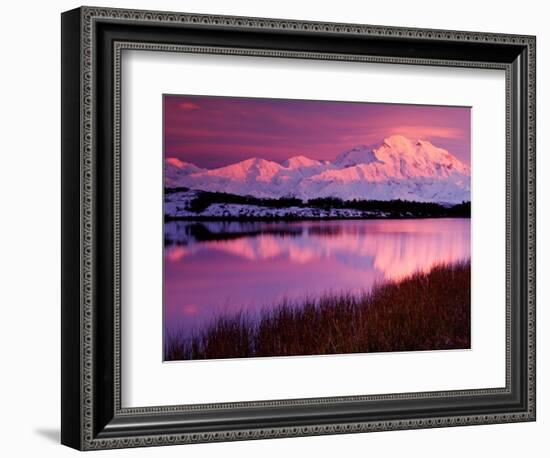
[(215, 131), (188, 106), (424, 132)]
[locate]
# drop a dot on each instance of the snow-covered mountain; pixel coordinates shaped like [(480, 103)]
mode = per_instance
[(297, 162), (175, 171), (398, 168), (360, 154)]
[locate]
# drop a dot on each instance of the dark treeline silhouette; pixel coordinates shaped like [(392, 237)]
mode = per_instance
[(174, 190), (204, 199), (393, 208)]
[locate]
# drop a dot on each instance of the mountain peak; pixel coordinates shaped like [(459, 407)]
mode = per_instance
[(399, 168), (252, 161), (360, 154), (399, 142), (359, 148), (181, 166), (420, 158), (174, 161), (254, 168), (300, 161), (175, 169), (424, 143), (257, 163)]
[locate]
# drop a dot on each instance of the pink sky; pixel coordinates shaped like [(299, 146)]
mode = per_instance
[(216, 131)]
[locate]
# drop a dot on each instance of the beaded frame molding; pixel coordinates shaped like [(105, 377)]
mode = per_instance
[(93, 40)]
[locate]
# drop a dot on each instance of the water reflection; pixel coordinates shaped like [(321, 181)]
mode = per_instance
[(219, 266)]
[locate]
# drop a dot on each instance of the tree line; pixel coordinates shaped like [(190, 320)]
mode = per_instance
[(204, 199)]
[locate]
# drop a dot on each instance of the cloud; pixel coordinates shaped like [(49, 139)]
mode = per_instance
[(216, 131), (188, 106), (423, 132)]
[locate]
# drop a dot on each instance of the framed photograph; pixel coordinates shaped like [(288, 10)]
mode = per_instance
[(276, 228)]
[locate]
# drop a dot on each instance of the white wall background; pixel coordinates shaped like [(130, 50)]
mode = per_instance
[(30, 240)]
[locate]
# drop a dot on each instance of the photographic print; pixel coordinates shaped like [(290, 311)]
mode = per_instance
[(308, 227)]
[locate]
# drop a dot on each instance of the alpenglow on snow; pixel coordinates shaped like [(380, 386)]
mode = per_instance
[(396, 169)]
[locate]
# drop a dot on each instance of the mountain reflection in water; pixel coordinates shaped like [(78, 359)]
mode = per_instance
[(225, 266)]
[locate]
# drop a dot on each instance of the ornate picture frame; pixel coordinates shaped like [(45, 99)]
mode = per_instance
[(93, 40)]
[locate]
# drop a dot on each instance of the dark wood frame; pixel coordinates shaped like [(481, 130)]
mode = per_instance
[(92, 42)]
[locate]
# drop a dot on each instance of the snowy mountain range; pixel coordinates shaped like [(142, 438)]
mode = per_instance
[(398, 168)]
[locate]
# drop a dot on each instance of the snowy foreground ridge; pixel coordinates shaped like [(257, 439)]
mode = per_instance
[(397, 169), (176, 205)]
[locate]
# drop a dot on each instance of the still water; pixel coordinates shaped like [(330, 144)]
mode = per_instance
[(213, 268)]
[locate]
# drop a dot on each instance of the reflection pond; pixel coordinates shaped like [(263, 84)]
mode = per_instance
[(220, 267)]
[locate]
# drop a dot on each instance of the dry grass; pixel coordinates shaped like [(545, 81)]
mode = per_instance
[(422, 312)]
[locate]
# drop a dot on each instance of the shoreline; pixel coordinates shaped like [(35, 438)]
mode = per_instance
[(195, 204), (423, 311), (168, 218)]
